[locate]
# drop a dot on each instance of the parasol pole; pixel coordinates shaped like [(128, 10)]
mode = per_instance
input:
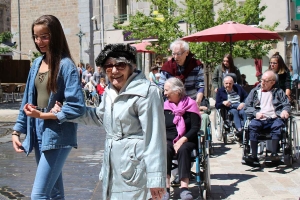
[(297, 99), (230, 37), (143, 68)]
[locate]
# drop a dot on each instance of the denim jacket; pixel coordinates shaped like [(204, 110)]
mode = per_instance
[(55, 133)]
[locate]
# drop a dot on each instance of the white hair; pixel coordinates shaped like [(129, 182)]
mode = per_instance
[(183, 44), (176, 85)]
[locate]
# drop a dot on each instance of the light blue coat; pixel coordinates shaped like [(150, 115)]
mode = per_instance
[(135, 148), (55, 135)]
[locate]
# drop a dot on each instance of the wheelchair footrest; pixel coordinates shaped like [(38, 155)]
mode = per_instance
[(273, 158)]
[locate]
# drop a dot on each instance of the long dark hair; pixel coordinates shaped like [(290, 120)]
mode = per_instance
[(232, 68), (281, 65), (58, 47)]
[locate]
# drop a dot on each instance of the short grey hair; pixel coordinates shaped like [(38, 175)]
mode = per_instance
[(176, 86), (183, 44)]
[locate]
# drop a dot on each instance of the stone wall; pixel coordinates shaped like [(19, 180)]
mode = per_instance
[(5, 18), (70, 13)]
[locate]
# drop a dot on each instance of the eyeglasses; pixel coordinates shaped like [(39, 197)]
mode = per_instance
[(273, 63), (119, 66), (43, 37), (266, 81), (178, 54)]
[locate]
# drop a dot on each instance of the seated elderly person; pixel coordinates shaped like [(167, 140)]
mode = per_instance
[(231, 97), (182, 120), (267, 105)]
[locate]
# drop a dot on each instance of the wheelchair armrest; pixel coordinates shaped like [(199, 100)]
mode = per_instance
[(200, 133)]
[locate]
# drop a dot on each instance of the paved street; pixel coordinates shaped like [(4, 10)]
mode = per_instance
[(230, 179)]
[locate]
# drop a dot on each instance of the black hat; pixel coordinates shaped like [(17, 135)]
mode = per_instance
[(116, 51)]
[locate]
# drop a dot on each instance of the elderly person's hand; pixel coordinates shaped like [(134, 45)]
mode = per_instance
[(178, 144), (241, 106), (31, 111), (216, 90), (57, 107), (202, 109), (259, 115), (284, 114), (157, 193), (227, 103)]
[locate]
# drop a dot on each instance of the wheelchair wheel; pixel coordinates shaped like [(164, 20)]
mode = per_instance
[(288, 160), (294, 139), (218, 125), (86, 100), (206, 171), (209, 139), (224, 135), (96, 100)]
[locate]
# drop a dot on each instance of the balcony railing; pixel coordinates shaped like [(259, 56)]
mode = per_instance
[(120, 19)]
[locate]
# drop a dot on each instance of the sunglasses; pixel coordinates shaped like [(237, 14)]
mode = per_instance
[(119, 66)]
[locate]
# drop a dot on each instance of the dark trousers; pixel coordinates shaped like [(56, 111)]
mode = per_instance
[(183, 158), (257, 126)]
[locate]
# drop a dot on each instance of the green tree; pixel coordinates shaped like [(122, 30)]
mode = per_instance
[(4, 37), (163, 27), (35, 54), (250, 12)]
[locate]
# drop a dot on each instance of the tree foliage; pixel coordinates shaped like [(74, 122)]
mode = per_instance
[(165, 31), (4, 37), (200, 15)]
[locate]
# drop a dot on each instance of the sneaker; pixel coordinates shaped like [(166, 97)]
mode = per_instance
[(166, 196), (186, 195), (175, 182), (252, 160)]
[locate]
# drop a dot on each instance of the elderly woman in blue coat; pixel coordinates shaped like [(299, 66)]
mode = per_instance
[(134, 164)]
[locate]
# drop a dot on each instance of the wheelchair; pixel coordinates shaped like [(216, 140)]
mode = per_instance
[(93, 101), (200, 157), (289, 144), (224, 129)]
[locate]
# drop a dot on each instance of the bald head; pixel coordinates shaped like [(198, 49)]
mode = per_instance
[(228, 78), (268, 80), (228, 83)]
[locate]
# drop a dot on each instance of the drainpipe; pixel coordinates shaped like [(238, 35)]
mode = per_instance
[(287, 28), (101, 11)]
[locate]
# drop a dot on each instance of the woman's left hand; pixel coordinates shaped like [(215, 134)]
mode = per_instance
[(178, 144), (157, 193), (30, 111)]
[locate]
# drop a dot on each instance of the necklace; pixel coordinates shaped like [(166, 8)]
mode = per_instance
[(42, 76)]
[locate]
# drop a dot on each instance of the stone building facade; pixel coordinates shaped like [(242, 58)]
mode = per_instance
[(72, 15), (5, 15)]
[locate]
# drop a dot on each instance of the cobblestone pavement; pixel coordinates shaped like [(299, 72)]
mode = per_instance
[(229, 178)]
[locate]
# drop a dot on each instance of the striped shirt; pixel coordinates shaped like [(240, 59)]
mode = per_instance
[(194, 83)]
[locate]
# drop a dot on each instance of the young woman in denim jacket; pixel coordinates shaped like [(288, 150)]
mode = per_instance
[(52, 77)]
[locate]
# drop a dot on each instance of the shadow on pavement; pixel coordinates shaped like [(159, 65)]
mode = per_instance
[(10, 105), (225, 191), (220, 149)]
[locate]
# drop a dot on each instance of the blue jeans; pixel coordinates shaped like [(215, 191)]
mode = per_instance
[(273, 126), (239, 117), (48, 183)]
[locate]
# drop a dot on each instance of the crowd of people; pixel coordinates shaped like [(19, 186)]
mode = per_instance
[(151, 120)]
